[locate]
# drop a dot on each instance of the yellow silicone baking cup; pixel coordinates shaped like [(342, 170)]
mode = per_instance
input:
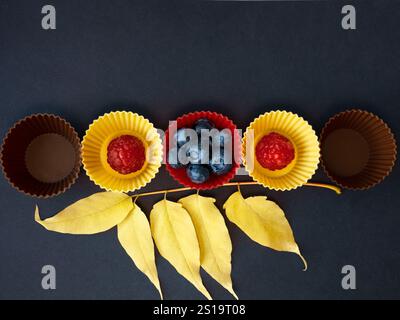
[(94, 150), (304, 140)]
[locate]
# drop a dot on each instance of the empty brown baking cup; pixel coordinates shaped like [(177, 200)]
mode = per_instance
[(358, 149), (41, 155)]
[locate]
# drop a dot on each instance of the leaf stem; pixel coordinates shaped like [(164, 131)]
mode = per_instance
[(235, 184), (324, 185)]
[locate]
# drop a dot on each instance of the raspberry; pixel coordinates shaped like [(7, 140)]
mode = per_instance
[(274, 151), (126, 154)]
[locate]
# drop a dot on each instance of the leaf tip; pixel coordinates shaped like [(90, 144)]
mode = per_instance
[(160, 292), (234, 295), (37, 216), (203, 290), (304, 262)]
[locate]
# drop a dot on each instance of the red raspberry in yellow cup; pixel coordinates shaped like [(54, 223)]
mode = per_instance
[(274, 151), (126, 154)]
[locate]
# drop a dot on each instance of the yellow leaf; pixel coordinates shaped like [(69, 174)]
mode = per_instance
[(135, 237), (94, 214), (215, 243), (176, 240), (263, 221)]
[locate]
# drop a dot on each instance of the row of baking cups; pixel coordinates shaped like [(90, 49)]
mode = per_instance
[(41, 154)]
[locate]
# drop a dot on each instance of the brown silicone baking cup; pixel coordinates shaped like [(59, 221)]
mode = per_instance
[(358, 149), (41, 155)]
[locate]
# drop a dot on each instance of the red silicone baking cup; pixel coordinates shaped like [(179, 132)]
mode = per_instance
[(221, 122)]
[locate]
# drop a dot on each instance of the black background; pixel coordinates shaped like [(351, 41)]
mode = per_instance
[(165, 58)]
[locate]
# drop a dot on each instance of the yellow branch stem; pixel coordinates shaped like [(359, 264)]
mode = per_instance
[(235, 184)]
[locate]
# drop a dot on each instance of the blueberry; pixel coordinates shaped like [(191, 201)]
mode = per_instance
[(218, 165), (197, 173), (203, 124), (220, 168), (196, 154), (181, 137), (173, 159), (225, 136)]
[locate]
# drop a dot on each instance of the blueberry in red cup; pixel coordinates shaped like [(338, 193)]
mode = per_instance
[(219, 165), (225, 138), (199, 140), (173, 159), (181, 137), (198, 173), (203, 124)]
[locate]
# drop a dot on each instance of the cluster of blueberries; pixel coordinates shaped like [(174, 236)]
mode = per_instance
[(203, 150)]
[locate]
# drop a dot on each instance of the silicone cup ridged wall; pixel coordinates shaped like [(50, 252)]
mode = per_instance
[(94, 150), (302, 136), (17, 141), (381, 142)]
